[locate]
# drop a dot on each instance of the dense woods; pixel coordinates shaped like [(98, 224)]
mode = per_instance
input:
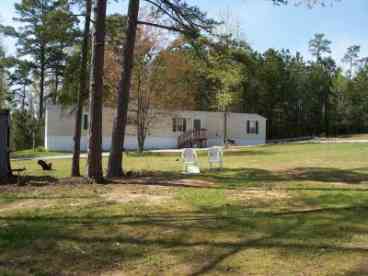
[(170, 57)]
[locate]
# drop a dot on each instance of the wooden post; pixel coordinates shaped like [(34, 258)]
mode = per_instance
[(5, 169)]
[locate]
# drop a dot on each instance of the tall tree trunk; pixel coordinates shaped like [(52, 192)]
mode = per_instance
[(24, 98), (140, 113), (83, 86), (327, 119), (42, 81), (115, 166), (56, 86), (5, 170), (42, 67), (40, 128), (96, 91)]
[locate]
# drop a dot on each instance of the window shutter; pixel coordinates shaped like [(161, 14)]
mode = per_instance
[(248, 127), (256, 127), (174, 125), (184, 125)]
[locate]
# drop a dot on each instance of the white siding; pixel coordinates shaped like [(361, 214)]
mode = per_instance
[(59, 126), (65, 143)]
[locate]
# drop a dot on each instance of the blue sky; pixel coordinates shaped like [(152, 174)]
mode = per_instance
[(265, 26)]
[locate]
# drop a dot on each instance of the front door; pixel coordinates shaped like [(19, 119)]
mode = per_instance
[(197, 124)]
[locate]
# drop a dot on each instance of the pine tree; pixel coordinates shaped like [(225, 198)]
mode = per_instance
[(19, 81), (83, 87), (96, 95), (3, 85), (46, 27), (319, 45), (351, 58)]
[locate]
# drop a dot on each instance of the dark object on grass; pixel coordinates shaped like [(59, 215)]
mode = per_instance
[(45, 166), (133, 174), (129, 174), (231, 142)]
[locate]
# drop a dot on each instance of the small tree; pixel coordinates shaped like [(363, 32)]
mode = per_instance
[(23, 130), (142, 95), (145, 83), (227, 78)]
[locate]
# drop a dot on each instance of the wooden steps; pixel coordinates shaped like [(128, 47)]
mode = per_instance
[(193, 138)]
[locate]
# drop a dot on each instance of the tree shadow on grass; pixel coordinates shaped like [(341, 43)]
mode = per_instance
[(359, 270), (30, 180), (205, 239), (254, 178), (234, 178), (180, 181), (43, 197)]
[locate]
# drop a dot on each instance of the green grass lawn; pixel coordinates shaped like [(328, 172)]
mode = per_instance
[(354, 136), (30, 153), (274, 210)]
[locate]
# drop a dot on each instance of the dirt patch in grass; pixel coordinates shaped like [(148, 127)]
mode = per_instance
[(157, 181), (130, 193), (150, 190), (25, 204), (361, 269), (258, 194)]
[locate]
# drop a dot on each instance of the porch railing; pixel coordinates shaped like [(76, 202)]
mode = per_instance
[(195, 137)]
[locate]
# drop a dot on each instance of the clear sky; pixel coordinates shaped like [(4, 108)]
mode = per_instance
[(265, 26)]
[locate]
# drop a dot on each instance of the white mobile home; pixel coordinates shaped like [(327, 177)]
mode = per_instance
[(169, 129)]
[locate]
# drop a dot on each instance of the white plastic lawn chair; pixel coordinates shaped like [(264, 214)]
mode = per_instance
[(216, 157), (190, 161)]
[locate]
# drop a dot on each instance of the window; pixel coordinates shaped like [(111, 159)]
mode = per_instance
[(252, 127), (197, 124), (179, 125), (85, 121), (132, 119)]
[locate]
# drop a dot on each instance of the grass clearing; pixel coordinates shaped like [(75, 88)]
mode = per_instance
[(296, 209), (363, 136), (37, 153)]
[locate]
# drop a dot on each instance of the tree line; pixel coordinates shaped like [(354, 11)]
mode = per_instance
[(72, 53)]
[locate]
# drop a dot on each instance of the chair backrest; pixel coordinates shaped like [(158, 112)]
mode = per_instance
[(215, 154), (189, 155)]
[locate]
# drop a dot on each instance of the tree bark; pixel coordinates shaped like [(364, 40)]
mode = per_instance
[(24, 98), (115, 165), (226, 113), (42, 81), (42, 68), (326, 115), (141, 122), (56, 86), (83, 86), (94, 170), (5, 169)]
